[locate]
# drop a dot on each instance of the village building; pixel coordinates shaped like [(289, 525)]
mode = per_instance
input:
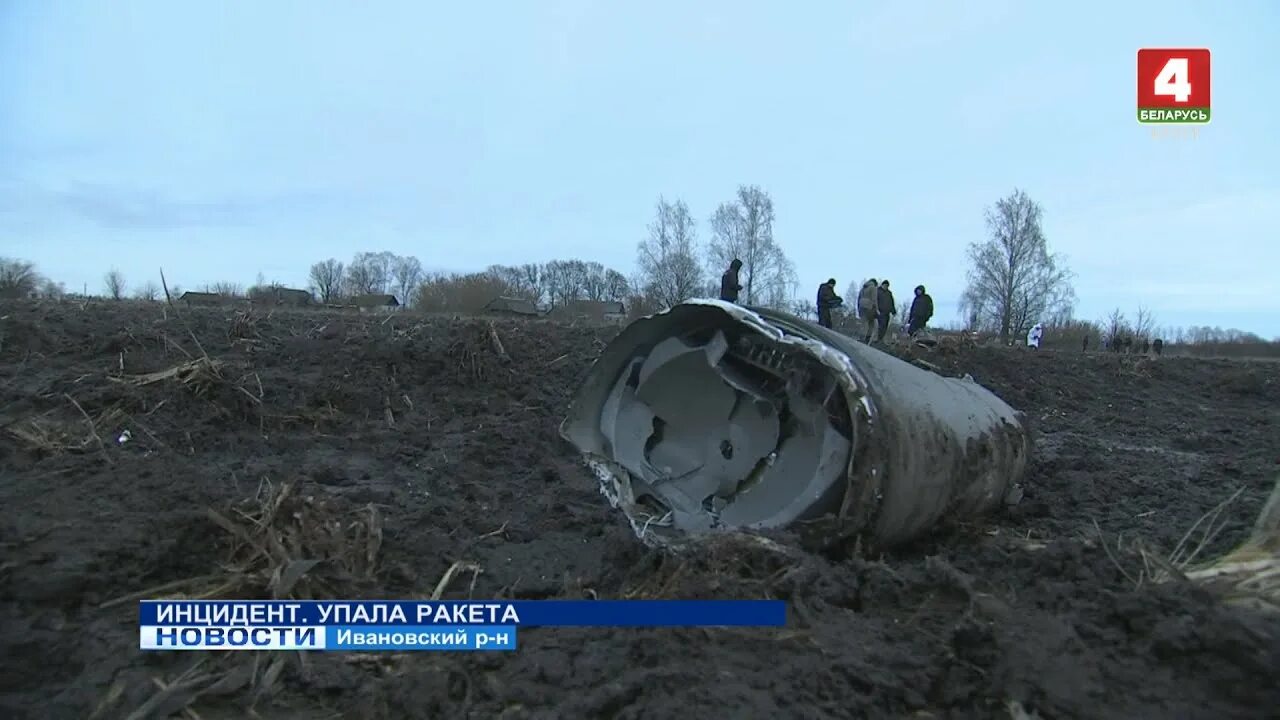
[(511, 306), (596, 310), (374, 303)]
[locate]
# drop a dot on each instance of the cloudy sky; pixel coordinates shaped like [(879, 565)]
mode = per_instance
[(223, 139)]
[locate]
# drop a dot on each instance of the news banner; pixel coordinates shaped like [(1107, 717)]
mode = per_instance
[(355, 626)]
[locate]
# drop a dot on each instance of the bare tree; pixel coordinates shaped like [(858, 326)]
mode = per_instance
[(851, 294), (778, 287), (743, 229), (459, 293), (532, 280), (668, 258), (564, 281), (370, 273), (561, 281), (616, 287), (147, 291), (327, 278), (1014, 281), (1115, 326), (115, 284), (1144, 323), (18, 279), (50, 290), (593, 281), (803, 308), (519, 281), (406, 273), (576, 275), (638, 301), (224, 288), (554, 280)]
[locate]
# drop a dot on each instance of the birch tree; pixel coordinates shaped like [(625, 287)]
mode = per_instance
[(668, 258), (1013, 279), (743, 229)]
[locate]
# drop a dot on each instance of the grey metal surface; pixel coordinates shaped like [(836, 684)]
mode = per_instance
[(715, 416)]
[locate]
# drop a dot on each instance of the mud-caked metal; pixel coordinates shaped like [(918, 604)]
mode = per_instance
[(713, 416)]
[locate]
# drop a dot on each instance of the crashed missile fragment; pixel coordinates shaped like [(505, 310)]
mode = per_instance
[(711, 416)]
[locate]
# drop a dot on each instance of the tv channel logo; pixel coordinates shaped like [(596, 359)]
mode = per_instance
[(1173, 86)]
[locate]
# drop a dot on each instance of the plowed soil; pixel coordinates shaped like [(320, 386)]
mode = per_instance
[(452, 444)]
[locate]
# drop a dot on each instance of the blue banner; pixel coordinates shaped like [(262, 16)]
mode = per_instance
[(524, 613), (343, 638), (355, 638)]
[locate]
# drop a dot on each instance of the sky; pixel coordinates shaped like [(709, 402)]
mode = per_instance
[(220, 140)]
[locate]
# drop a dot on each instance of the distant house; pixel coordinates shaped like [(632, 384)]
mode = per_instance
[(204, 298), (511, 306), (281, 296), (599, 310), (293, 296), (375, 303)]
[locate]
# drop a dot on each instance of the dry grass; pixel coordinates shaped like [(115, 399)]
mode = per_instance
[(1249, 575), (53, 435), (79, 434), (479, 352), (282, 544), (282, 536), (198, 375), (286, 545)]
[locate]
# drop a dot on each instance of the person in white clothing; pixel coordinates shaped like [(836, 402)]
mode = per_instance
[(1033, 336)]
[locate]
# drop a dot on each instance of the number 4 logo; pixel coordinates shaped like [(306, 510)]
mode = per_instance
[(1173, 80), (1173, 85)]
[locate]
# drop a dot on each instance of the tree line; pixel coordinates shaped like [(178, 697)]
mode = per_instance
[(548, 285), (1013, 280), (675, 266)]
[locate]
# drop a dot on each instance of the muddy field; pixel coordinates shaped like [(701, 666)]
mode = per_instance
[(394, 449)]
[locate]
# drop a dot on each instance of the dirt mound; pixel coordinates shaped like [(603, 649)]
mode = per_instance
[(431, 446)]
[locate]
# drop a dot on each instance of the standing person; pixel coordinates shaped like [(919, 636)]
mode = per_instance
[(1085, 347), (828, 300), (921, 311), (1034, 335), (886, 307), (1157, 346), (729, 285), (868, 299)]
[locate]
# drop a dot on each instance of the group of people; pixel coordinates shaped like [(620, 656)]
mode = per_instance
[(875, 308), (1124, 344), (1129, 345)]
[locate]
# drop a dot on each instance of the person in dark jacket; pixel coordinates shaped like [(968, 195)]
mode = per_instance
[(921, 311), (1157, 345), (885, 304), (828, 300), (729, 285)]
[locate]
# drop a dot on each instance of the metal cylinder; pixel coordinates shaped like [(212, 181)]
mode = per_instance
[(713, 416)]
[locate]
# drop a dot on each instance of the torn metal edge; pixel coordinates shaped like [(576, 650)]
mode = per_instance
[(615, 481)]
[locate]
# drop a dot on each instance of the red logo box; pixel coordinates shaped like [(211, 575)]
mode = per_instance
[(1173, 85)]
